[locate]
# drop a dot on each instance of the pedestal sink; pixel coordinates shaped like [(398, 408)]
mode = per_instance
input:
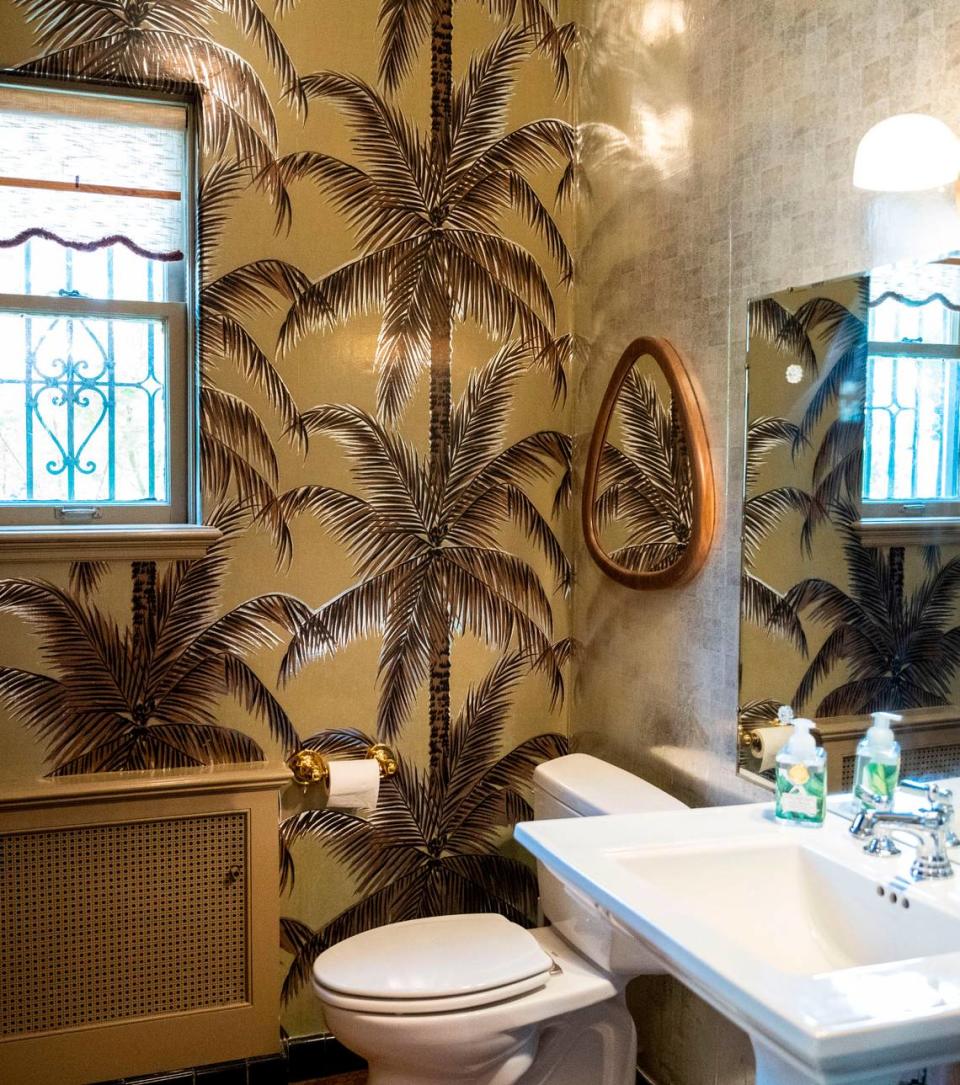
[(841, 969)]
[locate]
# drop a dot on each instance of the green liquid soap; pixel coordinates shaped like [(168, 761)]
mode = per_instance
[(874, 778), (802, 778), (876, 771)]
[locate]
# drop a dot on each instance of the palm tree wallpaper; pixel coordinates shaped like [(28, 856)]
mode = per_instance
[(760, 603), (384, 356), (830, 624), (146, 696)]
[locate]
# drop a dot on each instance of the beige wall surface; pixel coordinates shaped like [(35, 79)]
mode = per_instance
[(447, 660)]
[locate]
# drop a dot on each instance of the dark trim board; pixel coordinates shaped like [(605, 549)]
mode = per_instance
[(306, 1058), (319, 1056)]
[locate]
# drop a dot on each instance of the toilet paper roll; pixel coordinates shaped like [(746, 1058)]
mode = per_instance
[(767, 742), (354, 785)]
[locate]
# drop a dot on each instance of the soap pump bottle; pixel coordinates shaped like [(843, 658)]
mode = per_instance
[(876, 770), (802, 778)]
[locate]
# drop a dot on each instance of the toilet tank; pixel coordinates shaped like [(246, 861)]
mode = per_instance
[(579, 785)]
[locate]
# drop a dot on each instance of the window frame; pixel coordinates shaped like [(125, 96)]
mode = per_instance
[(915, 510), (172, 316), (177, 523)]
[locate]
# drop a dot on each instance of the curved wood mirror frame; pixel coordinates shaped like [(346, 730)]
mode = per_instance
[(704, 500)]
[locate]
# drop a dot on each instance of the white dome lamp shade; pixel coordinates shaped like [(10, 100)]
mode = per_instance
[(910, 152)]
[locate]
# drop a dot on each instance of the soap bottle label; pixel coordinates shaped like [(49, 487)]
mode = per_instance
[(799, 802)]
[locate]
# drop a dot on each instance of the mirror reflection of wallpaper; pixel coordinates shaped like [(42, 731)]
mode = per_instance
[(829, 624), (644, 505), (383, 362)]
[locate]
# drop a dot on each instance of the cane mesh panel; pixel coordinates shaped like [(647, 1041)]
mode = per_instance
[(920, 763), (122, 920)]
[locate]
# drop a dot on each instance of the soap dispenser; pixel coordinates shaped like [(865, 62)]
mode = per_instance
[(876, 771), (802, 778)]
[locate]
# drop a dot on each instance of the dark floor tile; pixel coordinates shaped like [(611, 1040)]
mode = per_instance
[(312, 1057), (340, 1059), (306, 1058), (267, 1071), (225, 1073)]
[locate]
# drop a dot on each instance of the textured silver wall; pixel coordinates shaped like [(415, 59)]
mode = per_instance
[(719, 138)]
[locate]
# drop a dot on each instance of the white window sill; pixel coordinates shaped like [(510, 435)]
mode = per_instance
[(904, 531), (94, 542)]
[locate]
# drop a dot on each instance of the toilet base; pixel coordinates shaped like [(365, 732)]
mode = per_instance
[(508, 1072), (503, 1061), (597, 1045)]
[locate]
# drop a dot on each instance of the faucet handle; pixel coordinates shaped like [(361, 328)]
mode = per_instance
[(935, 792), (864, 827)]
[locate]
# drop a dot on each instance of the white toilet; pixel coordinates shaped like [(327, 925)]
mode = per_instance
[(478, 999)]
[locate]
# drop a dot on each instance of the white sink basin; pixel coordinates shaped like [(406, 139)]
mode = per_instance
[(840, 968), (834, 914)]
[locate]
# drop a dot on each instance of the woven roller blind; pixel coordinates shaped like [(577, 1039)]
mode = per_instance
[(80, 140)]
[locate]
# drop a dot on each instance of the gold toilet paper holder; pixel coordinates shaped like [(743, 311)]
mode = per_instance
[(312, 767)]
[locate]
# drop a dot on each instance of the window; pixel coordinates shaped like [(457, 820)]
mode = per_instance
[(96, 377), (911, 462)]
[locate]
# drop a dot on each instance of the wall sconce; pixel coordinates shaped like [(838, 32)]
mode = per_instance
[(910, 152)]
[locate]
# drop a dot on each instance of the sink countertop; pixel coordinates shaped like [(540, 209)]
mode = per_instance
[(801, 963)]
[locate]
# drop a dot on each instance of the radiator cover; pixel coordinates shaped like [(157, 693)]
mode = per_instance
[(126, 920), (138, 924)]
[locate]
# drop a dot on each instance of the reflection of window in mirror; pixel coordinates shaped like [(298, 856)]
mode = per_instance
[(911, 451)]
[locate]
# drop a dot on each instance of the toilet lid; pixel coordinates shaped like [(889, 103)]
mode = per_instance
[(453, 956)]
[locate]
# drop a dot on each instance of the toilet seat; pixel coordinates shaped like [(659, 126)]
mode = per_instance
[(434, 965), (447, 1004)]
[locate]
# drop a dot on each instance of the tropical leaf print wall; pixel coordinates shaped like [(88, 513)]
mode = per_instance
[(428, 209), (146, 696), (858, 627), (451, 519)]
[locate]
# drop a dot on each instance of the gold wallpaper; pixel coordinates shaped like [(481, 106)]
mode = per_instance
[(385, 351)]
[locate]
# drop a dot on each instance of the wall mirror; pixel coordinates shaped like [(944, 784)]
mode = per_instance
[(850, 589), (648, 501)]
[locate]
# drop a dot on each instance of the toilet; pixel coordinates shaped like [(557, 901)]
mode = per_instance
[(481, 1000)]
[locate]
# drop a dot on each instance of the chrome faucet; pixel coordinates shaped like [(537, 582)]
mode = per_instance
[(933, 824)]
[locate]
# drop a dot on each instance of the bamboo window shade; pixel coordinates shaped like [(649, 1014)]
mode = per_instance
[(89, 170)]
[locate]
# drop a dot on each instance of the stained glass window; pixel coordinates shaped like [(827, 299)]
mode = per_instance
[(94, 235)]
